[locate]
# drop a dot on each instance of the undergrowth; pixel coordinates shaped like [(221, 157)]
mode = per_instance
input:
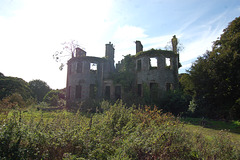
[(117, 133)]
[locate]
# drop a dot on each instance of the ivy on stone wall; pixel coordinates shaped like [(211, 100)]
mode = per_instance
[(126, 73)]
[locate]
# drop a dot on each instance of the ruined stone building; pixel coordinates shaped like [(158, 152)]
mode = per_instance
[(90, 77)]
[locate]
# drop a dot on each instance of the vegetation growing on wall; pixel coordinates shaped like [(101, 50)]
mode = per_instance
[(172, 101), (126, 74), (153, 52)]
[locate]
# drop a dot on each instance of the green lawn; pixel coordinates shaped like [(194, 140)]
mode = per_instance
[(210, 128), (231, 126)]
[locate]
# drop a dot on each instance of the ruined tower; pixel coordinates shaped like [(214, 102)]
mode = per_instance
[(109, 54), (139, 46)]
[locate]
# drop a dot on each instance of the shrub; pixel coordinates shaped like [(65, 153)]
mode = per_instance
[(117, 133), (55, 98), (175, 102), (13, 101)]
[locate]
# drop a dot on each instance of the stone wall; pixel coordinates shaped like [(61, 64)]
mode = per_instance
[(90, 77), (160, 72)]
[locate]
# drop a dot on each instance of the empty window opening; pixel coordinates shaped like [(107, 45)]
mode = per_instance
[(154, 91), (168, 62), (107, 92), (118, 92), (78, 94), (139, 90), (79, 67), (169, 86), (153, 63), (139, 65), (93, 67), (93, 91)]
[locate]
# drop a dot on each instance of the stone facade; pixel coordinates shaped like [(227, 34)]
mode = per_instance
[(157, 69), (90, 77)]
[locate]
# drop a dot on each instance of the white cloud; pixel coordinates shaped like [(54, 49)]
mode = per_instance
[(124, 38), (129, 32)]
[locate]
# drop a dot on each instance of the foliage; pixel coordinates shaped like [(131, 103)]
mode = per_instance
[(10, 85), (175, 102), (231, 126), (39, 89), (1, 75), (126, 75), (235, 110), (117, 133), (12, 102), (215, 76), (186, 84), (55, 98), (153, 52)]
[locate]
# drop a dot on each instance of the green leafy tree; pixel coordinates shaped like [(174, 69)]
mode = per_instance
[(186, 84), (216, 76), (55, 97), (39, 89), (1, 75), (175, 101), (11, 85)]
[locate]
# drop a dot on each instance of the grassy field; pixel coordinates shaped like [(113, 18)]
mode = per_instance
[(231, 126), (117, 133), (210, 128)]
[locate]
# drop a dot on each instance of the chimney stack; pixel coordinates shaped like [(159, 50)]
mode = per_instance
[(80, 52), (139, 46), (174, 44)]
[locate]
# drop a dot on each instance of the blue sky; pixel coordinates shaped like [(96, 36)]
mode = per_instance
[(31, 31)]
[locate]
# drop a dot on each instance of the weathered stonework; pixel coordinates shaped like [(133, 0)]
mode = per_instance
[(90, 77)]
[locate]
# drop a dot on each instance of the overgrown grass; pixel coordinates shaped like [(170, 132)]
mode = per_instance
[(210, 128), (231, 126), (117, 133)]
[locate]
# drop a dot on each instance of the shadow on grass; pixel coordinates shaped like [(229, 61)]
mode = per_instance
[(231, 126)]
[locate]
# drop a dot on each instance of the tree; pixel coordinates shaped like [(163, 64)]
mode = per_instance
[(186, 84), (55, 97), (1, 75), (203, 89), (216, 75), (68, 50), (39, 89), (11, 85), (175, 101)]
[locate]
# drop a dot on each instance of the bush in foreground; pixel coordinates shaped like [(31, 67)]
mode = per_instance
[(117, 133)]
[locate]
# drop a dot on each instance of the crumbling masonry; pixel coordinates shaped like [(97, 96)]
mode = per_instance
[(90, 77)]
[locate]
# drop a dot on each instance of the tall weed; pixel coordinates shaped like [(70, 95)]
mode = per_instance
[(117, 133)]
